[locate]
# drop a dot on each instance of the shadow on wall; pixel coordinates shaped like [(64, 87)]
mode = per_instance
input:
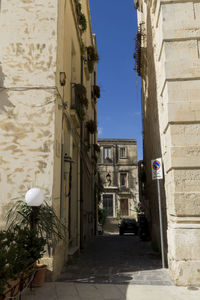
[(152, 142), (4, 101)]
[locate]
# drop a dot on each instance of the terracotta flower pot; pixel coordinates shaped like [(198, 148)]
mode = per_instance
[(39, 277), (11, 289)]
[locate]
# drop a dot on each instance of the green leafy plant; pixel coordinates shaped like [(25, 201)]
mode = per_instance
[(84, 101), (92, 54), (90, 66), (48, 225), (92, 58), (5, 257), (82, 22), (138, 207), (81, 95), (19, 249), (81, 113), (96, 91), (78, 7), (80, 16), (96, 148), (101, 216), (118, 215), (92, 126), (80, 100), (80, 92)]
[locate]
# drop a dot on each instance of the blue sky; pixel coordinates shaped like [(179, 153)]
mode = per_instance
[(119, 108)]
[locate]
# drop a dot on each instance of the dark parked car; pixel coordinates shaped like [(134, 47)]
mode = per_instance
[(128, 226)]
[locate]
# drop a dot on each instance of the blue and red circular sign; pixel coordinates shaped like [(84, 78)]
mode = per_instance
[(156, 165)]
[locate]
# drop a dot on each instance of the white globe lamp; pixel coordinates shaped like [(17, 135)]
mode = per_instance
[(34, 197)]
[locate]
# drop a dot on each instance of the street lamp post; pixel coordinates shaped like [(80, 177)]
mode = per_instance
[(34, 198)]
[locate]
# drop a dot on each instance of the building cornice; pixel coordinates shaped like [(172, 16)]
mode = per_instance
[(117, 141)]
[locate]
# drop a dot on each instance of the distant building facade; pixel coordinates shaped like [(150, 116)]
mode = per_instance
[(117, 166)]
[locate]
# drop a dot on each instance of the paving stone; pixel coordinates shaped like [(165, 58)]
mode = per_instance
[(116, 259)]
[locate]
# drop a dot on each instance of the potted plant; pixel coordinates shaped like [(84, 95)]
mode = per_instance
[(96, 91), (92, 126), (81, 100), (48, 226), (96, 148), (78, 8), (81, 17), (92, 58), (82, 22), (21, 247), (80, 94), (5, 273)]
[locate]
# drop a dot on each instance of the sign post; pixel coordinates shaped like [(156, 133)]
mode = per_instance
[(157, 173)]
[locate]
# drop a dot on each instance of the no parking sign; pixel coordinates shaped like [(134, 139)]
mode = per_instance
[(156, 166), (157, 173)]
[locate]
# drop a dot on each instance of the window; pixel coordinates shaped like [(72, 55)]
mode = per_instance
[(123, 179), (107, 153), (108, 204), (86, 136), (122, 152)]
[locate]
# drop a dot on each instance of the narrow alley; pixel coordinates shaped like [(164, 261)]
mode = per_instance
[(117, 268), (117, 259), (100, 150)]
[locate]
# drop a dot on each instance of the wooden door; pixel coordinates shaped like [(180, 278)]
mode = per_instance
[(124, 207)]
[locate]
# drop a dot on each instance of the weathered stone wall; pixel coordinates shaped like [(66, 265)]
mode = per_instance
[(27, 96), (172, 33), (30, 135), (40, 39)]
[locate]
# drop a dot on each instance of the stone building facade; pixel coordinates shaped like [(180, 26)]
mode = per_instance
[(117, 166), (44, 137), (168, 60)]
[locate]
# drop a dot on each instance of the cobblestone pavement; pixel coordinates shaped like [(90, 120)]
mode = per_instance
[(118, 260), (114, 268)]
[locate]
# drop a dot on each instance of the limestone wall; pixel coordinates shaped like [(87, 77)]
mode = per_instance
[(27, 97), (39, 40), (172, 30)]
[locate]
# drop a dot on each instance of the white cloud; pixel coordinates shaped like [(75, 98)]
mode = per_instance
[(100, 131), (136, 113)]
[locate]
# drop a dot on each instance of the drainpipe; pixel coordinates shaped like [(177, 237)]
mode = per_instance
[(81, 171), (62, 204)]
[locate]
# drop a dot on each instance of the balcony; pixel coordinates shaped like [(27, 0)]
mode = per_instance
[(79, 103)]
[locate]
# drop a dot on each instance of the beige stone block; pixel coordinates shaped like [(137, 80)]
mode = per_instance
[(180, 20), (182, 69), (185, 156), (180, 50), (184, 204), (187, 180), (185, 90), (185, 273), (184, 243), (183, 111), (184, 134)]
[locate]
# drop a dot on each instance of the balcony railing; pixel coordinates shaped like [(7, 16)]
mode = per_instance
[(79, 100)]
